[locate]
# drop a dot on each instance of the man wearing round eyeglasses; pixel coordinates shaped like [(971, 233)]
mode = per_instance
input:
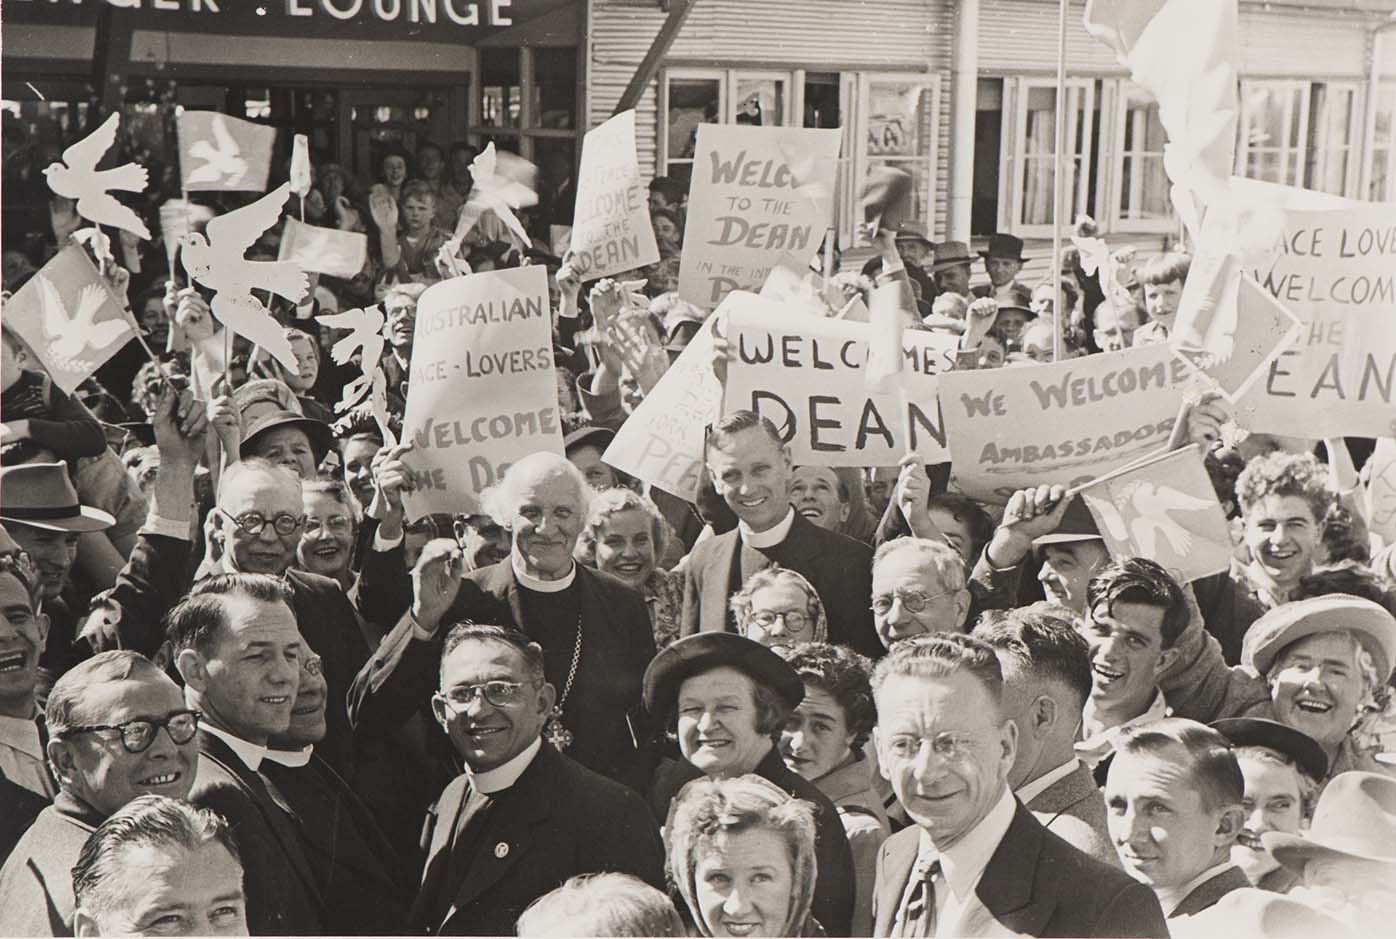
[(976, 862), (118, 729), (523, 817), (918, 587)]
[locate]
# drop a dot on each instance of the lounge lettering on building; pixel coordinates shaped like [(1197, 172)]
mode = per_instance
[(427, 12)]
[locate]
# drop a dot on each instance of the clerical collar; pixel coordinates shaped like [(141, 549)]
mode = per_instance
[(529, 582), (295, 759), (771, 536), (251, 754), (505, 775)]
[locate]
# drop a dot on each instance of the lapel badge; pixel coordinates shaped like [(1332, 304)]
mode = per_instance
[(501, 850)]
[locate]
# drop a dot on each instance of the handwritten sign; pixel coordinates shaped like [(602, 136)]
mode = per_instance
[(662, 441), (806, 375), (482, 391), (757, 194), (1063, 422), (611, 230), (1335, 270)]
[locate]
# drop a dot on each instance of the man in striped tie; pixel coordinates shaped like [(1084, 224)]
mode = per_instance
[(977, 862)]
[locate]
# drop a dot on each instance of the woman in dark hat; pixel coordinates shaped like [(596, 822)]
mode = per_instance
[(727, 699), (273, 427)]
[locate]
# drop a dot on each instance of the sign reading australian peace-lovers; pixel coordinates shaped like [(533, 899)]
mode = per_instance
[(430, 20)]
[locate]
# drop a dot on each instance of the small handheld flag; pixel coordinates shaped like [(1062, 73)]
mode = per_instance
[(218, 152)]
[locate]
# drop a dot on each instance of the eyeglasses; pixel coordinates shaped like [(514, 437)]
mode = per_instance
[(314, 665), (337, 524), (950, 746), (499, 693), (913, 601), (137, 735), (254, 523), (793, 619)]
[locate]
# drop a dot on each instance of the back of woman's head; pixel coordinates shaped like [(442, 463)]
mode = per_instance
[(601, 905)]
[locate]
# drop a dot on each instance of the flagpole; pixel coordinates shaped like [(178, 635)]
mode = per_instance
[(1058, 313)]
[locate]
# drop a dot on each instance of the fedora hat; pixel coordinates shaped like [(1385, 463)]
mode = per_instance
[(266, 404), (1077, 525), (1259, 732), (1017, 297), (914, 232), (1368, 622), (950, 253), (40, 495), (1253, 912), (885, 195), (1004, 246), (699, 653), (1355, 819)]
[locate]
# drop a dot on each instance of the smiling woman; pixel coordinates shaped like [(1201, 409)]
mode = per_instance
[(742, 856)]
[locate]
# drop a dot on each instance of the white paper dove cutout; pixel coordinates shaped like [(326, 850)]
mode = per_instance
[(218, 263), (223, 162), (501, 186), (365, 333), (300, 165), (70, 335), (77, 177)]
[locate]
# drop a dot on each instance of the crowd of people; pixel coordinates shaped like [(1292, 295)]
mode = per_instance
[(243, 692)]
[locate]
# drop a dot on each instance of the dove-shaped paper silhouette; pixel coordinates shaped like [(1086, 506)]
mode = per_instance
[(222, 159), (77, 177), (366, 335), (69, 336), (503, 183), (1156, 506), (218, 262)]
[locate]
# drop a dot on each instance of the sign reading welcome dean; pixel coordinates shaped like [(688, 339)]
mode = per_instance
[(481, 390), (611, 229), (757, 193)]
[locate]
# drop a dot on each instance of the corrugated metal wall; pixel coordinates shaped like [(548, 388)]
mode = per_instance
[(1020, 37), (809, 34)]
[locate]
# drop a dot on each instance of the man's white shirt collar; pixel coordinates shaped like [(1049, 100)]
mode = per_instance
[(771, 536), (1095, 748), (529, 582), (963, 863), (250, 753), (1170, 899), (502, 777), (1029, 791), (295, 759)]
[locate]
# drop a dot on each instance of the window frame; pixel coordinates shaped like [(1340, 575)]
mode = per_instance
[(1115, 99), (1375, 156), (1299, 152), (1318, 148), (1013, 156)]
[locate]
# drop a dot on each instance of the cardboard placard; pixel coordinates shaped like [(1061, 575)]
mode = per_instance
[(1061, 422), (323, 250), (806, 374), (482, 387), (611, 229), (757, 193)]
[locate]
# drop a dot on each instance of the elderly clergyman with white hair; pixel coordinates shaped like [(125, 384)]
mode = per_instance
[(594, 630)]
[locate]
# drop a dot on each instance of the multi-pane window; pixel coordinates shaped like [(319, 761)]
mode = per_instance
[(1300, 133), (1142, 185), (889, 118), (1381, 184), (1333, 163), (1031, 143), (527, 100)]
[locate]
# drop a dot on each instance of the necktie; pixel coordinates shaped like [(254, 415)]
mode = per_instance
[(918, 914)]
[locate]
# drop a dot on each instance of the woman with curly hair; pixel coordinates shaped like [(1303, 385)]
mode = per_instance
[(741, 854), (825, 741), (625, 536), (778, 608)]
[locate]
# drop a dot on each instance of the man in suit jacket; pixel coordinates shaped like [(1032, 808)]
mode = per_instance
[(977, 862), (751, 469), (594, 630), (102, 761), (236, 646), (1047, 677), (1189, 770), (523, 818), (252, 495), (365, 884)]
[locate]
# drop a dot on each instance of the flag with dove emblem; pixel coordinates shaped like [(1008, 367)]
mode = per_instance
[(1163, 508), (69, 318), (218, 152)]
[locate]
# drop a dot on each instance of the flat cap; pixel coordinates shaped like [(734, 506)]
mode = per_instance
[(1368, 622), (699, 653)]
